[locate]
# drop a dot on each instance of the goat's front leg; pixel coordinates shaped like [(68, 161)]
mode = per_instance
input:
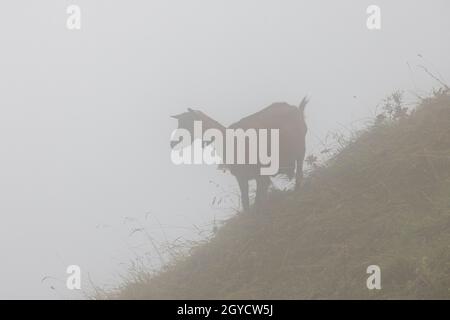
[(243, 186)]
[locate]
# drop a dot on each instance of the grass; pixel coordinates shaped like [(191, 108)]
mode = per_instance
[(383, 199)]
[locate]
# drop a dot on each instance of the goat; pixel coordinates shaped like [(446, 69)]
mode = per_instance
[(290, 122)]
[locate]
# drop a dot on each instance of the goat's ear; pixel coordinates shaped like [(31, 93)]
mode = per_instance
[(177, 117), (195, 113)]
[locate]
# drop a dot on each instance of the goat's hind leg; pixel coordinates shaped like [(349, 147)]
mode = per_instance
[(243, 186), (262, 185), (299, 174)]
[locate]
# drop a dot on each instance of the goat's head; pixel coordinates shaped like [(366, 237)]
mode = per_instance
[(185, 122)]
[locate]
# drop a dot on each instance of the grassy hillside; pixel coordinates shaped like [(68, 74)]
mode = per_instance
[(383, 199)]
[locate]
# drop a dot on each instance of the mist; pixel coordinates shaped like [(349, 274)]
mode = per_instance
[(85, 114)]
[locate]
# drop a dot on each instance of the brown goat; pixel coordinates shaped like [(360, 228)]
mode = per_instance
[(290, 122)]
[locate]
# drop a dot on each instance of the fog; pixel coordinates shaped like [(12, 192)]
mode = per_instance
[(85, 114)]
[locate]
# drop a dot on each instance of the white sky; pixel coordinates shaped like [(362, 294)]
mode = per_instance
[(84, 115)]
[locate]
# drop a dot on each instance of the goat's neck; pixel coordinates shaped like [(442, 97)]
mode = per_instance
[(210, 123)]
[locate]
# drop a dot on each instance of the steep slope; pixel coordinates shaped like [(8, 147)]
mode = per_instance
[(384, 199)]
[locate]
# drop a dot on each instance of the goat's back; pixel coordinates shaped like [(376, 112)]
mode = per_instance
[(289, 121)]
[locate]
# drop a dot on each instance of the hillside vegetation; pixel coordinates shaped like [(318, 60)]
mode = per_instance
[(383, 199)]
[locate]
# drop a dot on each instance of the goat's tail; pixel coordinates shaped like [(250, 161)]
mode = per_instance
[(303, 104)]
